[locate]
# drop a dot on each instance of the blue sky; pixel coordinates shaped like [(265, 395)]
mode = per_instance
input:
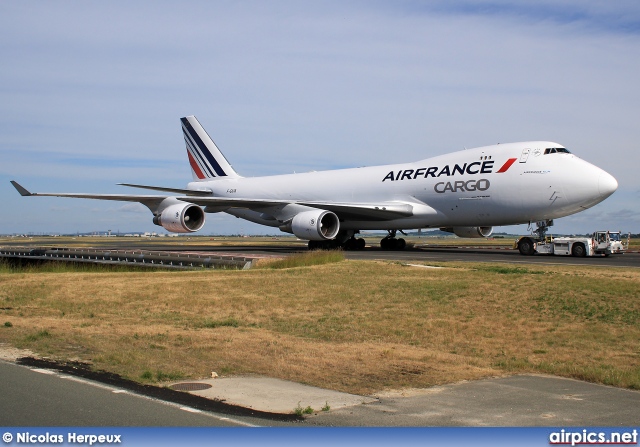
[(91, 94)]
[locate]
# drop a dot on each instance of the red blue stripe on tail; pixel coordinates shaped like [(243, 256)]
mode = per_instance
[(206, 160)]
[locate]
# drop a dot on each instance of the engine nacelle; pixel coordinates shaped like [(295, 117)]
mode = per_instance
[(315, 225), (181, 218), (473, 232)]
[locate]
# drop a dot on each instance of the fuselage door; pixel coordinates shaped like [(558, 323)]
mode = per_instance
[(525, 155)]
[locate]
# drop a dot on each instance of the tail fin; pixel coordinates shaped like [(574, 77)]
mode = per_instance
[(206, 160)]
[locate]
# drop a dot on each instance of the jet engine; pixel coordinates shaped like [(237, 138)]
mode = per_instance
[(180, 218), (314, 225), (473, 232)]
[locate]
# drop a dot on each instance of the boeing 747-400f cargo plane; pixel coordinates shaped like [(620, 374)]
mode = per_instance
[(467, 193)]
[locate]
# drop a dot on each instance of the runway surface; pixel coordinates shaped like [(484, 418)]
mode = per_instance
[(479, 254), (423, 253)]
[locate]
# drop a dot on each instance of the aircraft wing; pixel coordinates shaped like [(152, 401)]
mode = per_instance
[(355, 211), (150, 201), (188, 192), (350, 211), (365, 211)]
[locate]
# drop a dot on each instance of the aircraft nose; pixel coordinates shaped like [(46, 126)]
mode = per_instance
[(607, 184)]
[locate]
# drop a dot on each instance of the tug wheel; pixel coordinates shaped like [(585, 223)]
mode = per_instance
[(578, 250), (525, 246)]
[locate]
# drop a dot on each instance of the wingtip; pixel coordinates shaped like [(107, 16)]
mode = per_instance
[(21, 189)]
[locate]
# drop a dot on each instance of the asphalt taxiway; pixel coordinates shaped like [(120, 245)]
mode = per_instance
[(44, 397), (426, 253), (418, 253), (421, 251)]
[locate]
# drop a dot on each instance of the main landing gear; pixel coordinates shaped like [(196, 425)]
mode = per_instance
[(391, 243), (354, 244), (348, 242), (344, 241)]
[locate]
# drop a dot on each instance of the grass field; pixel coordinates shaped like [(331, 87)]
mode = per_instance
[(356, 326)]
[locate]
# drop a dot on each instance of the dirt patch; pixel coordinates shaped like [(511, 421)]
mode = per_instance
[(10, 354)]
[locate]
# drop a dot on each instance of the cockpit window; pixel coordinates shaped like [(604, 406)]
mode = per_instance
[(556, 150)]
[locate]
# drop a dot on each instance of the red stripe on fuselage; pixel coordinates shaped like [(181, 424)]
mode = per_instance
[(195, 166), (507, 165)]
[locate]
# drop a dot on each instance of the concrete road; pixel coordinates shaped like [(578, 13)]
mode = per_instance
[(523, 400)]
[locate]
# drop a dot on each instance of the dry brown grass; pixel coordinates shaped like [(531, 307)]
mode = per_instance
[(353, 326)]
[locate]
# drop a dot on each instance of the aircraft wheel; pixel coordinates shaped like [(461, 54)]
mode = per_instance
[(400, 244), (330, 244), (578, 250), (360, 243), (525, 246), (321, 245), (350, 244)]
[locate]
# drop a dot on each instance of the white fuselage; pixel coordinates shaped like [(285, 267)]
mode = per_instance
[(489, 186)]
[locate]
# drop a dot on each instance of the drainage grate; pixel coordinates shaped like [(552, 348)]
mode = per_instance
[(190, 386)]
